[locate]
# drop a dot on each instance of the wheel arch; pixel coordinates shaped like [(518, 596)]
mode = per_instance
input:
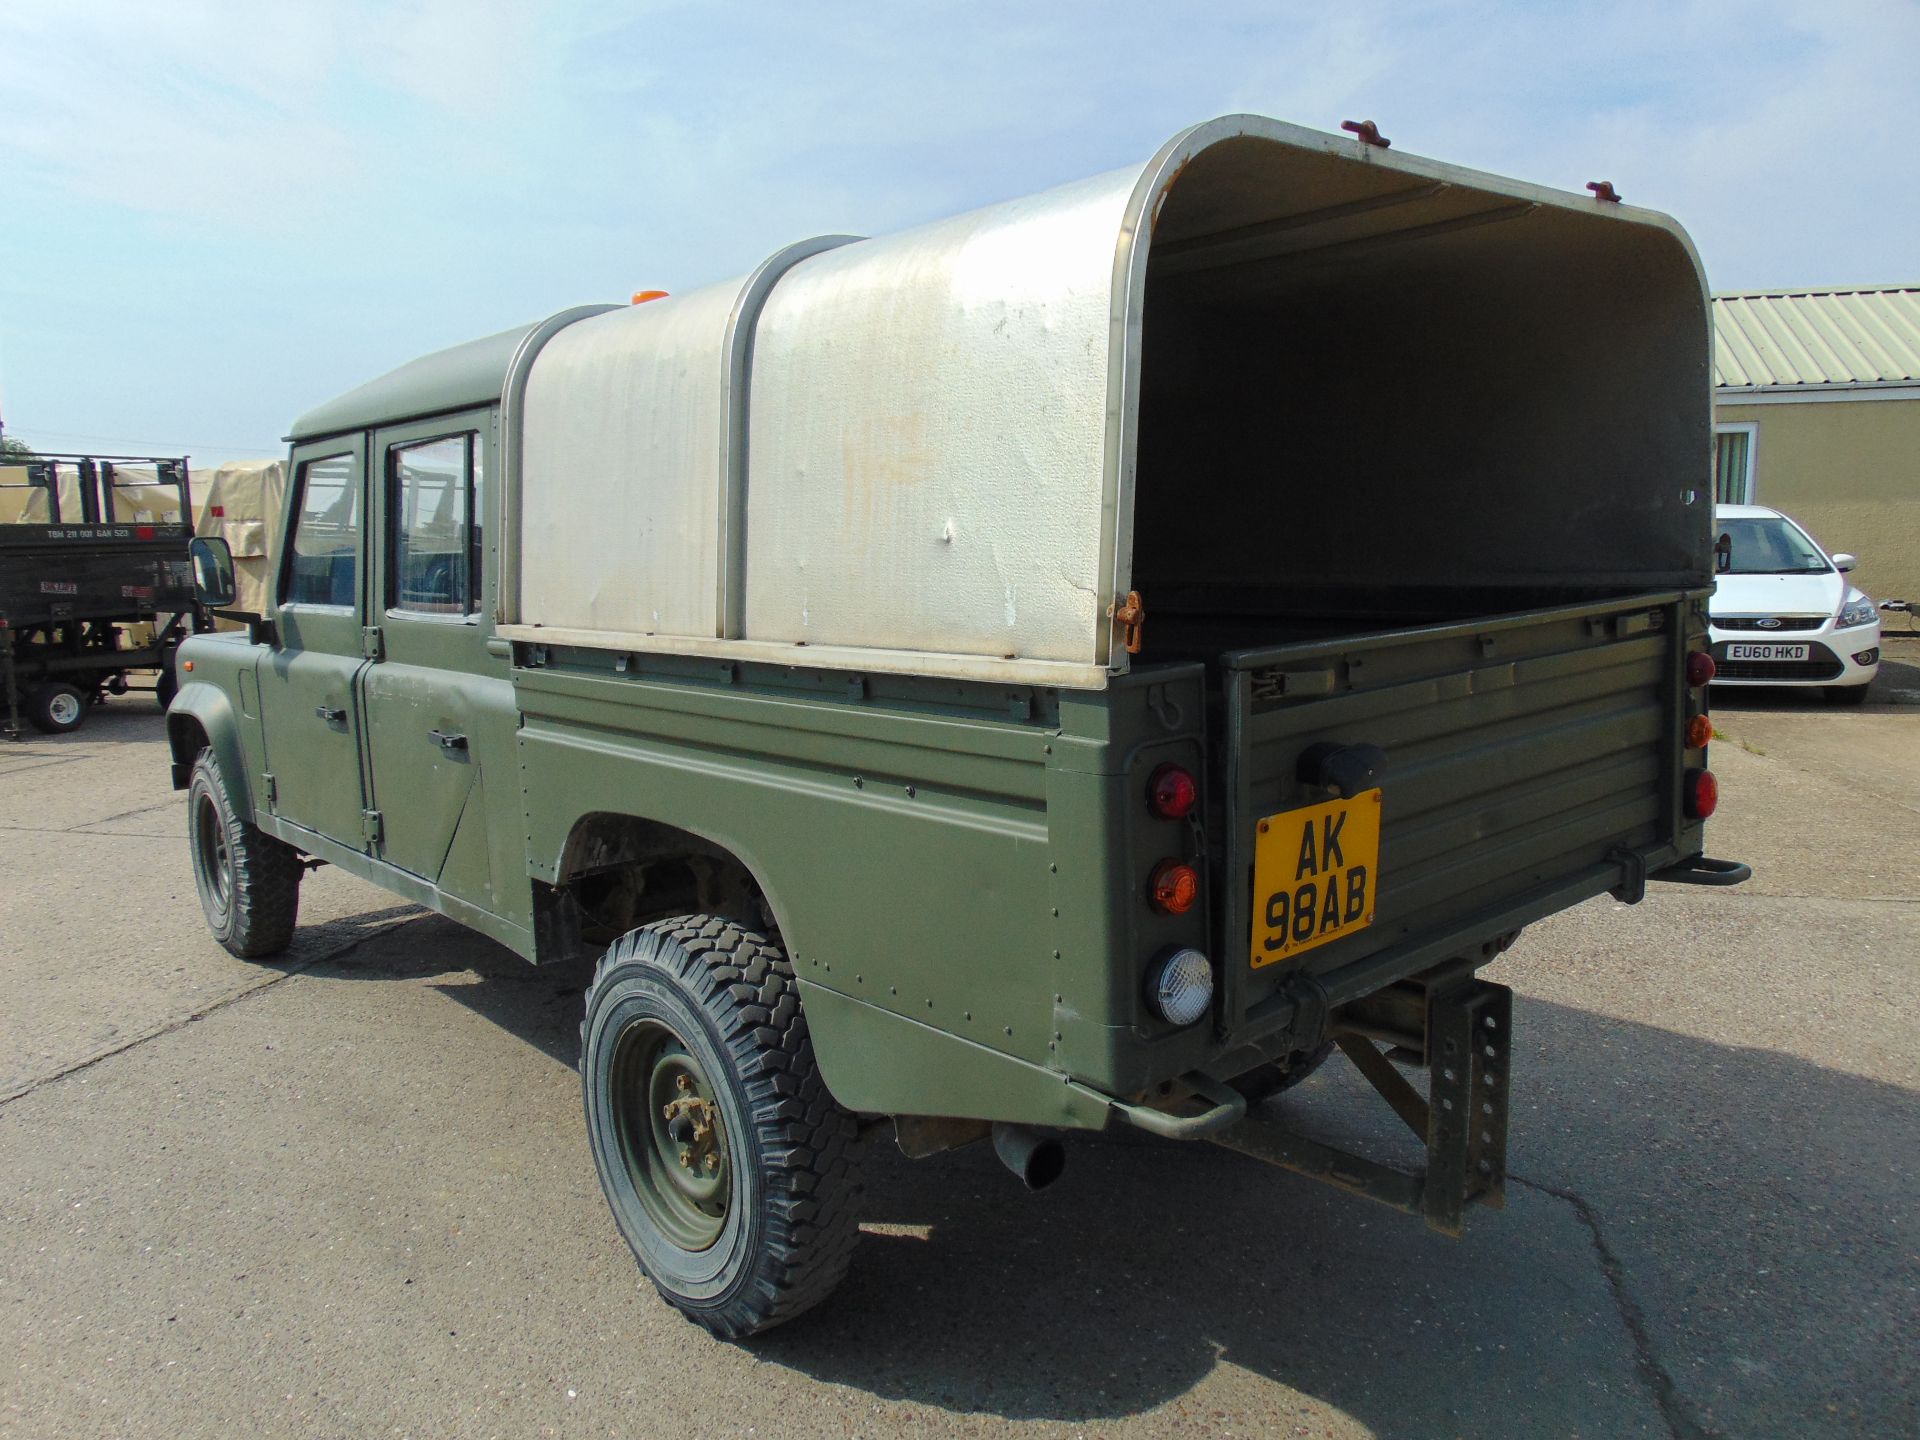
[(201, 716), (617, 870)]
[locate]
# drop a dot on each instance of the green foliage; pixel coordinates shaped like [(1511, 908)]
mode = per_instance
[(15, 451)]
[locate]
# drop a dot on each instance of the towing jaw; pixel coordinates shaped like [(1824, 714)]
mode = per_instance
[(1459, 1029)]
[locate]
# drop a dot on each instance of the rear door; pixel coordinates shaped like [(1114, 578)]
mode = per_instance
[(307, 693), (439, 703)]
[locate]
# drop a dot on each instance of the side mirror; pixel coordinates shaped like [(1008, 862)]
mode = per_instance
[(213, 582), (1843, 562)]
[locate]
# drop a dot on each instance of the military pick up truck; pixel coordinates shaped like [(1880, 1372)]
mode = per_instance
[(1069, 666)]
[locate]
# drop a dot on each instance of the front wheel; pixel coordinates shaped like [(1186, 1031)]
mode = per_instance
[(249, 882), (730, 1169)]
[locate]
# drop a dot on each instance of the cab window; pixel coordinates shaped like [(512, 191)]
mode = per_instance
[(436, 532), (325, 567)]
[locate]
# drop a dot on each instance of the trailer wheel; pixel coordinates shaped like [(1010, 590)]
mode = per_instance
[(1263, 1082), (249, 882), (730, 1169), (55, 707)]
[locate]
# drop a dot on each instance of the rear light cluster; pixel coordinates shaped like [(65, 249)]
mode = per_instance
[(1174, 887), (1700, 668), (1699, 732), (1702, 794), (1171, 792)]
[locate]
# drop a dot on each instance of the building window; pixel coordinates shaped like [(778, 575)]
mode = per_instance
[(1733, 463), (436, 540)]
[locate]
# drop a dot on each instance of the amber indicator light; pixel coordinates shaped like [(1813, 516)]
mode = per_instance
[(1174, 887), (1699, 732)]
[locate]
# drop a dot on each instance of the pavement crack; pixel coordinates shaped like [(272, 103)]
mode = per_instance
[(1666, 1394), (232, 997)]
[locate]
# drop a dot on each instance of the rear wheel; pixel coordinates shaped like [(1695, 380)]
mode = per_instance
[(249, 882), (729, 1168), (55, 707)]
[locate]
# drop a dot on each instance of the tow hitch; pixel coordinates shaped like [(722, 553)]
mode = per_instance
[(1459, 1029)]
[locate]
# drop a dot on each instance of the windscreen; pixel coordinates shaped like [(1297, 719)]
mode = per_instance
[(1762, 546)]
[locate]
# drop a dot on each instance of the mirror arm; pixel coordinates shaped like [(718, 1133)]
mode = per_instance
[(260, 628)]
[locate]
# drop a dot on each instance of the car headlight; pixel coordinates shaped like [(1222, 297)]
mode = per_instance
[(1856, 612)]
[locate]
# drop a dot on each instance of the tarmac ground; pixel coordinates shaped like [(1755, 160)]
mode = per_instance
[(347, 1193)]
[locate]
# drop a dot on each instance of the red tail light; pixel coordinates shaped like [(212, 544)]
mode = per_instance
[(1171, 792), (1174, 887), (1703, 794), (1700, 668)]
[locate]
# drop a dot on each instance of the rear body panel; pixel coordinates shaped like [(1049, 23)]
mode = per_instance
[(1523, 755)]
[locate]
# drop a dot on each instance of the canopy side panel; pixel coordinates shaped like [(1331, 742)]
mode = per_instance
[(926, 436), (622, 470)]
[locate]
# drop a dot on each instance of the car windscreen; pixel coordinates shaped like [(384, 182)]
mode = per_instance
[(1766, 546)]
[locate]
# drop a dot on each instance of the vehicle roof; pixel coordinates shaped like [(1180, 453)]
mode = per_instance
[(452, 379), (1747, 512)]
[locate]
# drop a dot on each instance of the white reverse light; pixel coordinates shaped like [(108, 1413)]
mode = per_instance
[(1180, 988)]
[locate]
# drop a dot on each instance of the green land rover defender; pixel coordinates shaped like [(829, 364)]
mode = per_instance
[(1064, 667)]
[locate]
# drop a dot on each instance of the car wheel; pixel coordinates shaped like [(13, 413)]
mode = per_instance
[(249, 882), (730, 1170), (54, 708), (1848, 694)]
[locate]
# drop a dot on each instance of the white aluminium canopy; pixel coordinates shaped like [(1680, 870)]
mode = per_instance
[(919, 452)]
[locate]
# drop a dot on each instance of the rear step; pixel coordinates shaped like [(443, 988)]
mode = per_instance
[(1460, 1029)]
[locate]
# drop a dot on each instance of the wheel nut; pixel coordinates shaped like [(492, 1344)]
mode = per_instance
[(713, 1162)]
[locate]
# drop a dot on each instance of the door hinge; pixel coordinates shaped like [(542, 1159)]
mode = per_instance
[(370, 827), (373, 642), (273, 789)]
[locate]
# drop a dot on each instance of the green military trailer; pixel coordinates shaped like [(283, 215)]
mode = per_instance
[(1065, 667)]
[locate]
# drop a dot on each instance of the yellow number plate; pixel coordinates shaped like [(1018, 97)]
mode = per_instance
[(1315, 872)]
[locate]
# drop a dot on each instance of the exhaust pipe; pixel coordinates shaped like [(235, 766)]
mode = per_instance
[(1037, 1159)]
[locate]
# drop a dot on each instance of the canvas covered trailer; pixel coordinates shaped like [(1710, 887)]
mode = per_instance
[(1272, 380)]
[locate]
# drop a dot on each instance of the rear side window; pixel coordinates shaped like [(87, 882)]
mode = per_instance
[(325, 569), (436, 530)]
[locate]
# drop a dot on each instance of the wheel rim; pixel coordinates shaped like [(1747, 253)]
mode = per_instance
[(211, 849), (672, 1139), (63, 707)]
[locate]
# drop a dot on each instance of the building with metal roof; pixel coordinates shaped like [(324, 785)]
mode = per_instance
[(1817, 413)]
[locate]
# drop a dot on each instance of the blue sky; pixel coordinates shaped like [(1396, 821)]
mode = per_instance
[(220, 212)]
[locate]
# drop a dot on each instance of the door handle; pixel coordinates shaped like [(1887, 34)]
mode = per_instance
[(332, 714), (447, 740)]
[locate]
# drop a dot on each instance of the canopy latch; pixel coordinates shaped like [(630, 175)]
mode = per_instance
[(1603, 190), (1131, 615), (1367, 132)]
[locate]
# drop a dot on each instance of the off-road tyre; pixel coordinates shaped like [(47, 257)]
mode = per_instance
[(790, 1154), (55, 707), (1847, 694), (249, 882), (1263, 1082)]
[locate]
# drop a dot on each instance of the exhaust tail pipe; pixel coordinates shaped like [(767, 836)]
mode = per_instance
[(1037, 1159)]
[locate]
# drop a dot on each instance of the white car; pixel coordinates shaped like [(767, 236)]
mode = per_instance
[(1783, 611)]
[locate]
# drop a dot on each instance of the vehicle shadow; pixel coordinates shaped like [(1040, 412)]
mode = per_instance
[(1754, 1211)]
